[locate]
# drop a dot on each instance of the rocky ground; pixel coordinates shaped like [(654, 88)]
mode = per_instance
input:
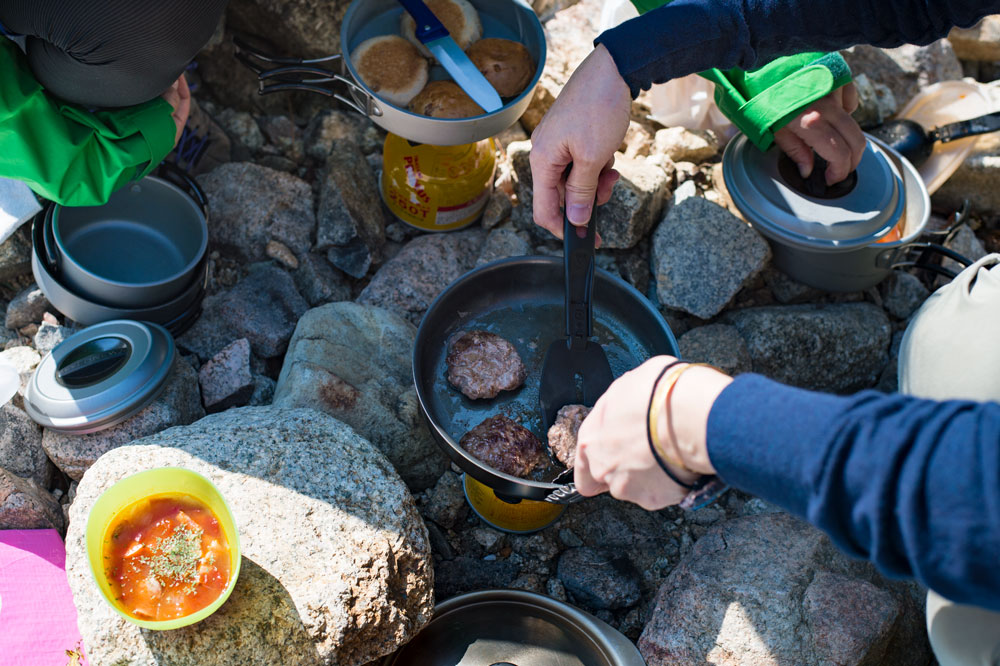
[(315, 293)]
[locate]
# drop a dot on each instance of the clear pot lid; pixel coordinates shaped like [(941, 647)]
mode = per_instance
[(100, 376), (767, 188)]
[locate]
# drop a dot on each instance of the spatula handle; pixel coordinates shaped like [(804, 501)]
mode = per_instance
[(578, 254), (963, 128), (429, 27)]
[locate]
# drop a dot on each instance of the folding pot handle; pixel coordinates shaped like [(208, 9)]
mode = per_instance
[(49, 249), (305, 74), (182, 179)]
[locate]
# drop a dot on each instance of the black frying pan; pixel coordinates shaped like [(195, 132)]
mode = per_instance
[(523, 300)]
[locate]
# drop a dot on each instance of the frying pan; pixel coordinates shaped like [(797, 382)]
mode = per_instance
[(522, 299)]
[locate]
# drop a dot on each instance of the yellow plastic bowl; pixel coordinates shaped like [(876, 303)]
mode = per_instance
[(130, 490)]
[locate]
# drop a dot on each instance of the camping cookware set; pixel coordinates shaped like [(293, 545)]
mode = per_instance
[(141, 256), (507, 19)]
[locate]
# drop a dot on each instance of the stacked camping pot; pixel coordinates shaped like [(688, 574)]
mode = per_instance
[(845, 237), (140, 256)]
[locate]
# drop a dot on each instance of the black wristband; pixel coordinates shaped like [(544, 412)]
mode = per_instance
[(649, 434)]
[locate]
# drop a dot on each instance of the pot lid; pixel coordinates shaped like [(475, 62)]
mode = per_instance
[(100, 376), (767, 188), (514, 628)]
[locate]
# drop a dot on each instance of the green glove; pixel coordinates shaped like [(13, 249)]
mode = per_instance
[(763, 101)]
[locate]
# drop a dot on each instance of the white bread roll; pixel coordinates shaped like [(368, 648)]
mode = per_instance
[(392, 67)]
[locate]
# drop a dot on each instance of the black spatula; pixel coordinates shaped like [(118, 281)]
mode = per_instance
[(575, 370)]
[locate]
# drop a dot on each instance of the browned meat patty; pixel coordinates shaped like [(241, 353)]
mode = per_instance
[(505, 445), (562, 434), (481, 364)]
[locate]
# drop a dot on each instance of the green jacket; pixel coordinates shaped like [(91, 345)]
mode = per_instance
[(68, 154), (766, 99)]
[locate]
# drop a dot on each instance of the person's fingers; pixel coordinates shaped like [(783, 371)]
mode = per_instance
[(546, 174), (851, 133), (849, 100), (818, 132), (606, 182), (585, 482), (581, 189), (796, 149)]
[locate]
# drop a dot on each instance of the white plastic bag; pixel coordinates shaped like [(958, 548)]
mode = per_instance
[(684, 102)]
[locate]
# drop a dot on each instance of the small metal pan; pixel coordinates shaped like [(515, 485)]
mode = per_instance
[(523, 300)]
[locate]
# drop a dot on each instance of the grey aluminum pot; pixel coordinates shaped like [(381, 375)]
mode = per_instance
[(851, 265), (143, 248), (514, 628), (508, 19)]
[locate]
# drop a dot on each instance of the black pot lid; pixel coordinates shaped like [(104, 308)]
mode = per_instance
[(100, 376), (767, 188)]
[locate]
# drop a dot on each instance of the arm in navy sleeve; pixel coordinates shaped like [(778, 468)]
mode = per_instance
[(911, 484), (689, 36)]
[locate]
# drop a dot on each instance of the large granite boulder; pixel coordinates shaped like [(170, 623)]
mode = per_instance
[(354, 362), (25, 505), (303, 27), (636, 204), (251, 205), (703, 255), (407, 283), (839, 347), (178, 404), (906, 69), (21, 449), (980, 42), (718, 345), (336, 567), (770, 589)]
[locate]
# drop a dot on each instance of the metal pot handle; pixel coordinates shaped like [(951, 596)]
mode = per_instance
[(305, 74), (49, 248), (182, 179)]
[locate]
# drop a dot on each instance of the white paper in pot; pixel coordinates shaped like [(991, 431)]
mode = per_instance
[(10, 382)]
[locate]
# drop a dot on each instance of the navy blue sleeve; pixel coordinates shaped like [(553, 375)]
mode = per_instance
[(689, 36), (913, 485)]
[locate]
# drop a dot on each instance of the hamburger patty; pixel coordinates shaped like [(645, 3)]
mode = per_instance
[(505, 445), (481, 364), (562, 435)]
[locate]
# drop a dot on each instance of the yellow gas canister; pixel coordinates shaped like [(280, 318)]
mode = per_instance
[(521, 516), (437, 188)]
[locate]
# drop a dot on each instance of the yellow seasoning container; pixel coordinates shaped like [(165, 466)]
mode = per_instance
[(523, 517), (437, 188)]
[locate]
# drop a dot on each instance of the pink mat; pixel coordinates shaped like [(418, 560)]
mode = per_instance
[(37, 616)]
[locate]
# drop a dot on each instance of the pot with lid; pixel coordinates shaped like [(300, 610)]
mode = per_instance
[(336, 76), (514, 628), (846, 237)]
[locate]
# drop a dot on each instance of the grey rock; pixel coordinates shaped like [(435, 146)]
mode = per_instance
[(788, 290), (756, 506), (707, 515), (703, 255), (25, 505), (889, 381), (568, 537), (876, 103), (178, 404), (906, 69), (354, 362), (407, 283), (838, 348), (440, 545), (263, 308), (49, 336), (902, 294), (636, 204), (319, 282), (283, 135), (765, 590), (363, 589), (467, 574), (966, 244), (263, 391), (684, 145), (307, 27), (503, 243), (21, 451), (251, 205), (489, 538), (24, 359), (27, 308), (350, 222), (977, 179), (445, 503), (241, 126), (225, 379), (599, 579), (497, 209), (980, 42), (15, 254), (282, 254), (555, 589), (719, 345), (634, 267), (329, 126)]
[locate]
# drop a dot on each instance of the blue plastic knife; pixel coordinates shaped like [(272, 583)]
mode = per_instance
[(432, 34)]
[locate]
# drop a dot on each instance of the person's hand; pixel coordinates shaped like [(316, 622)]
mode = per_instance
[(178, 95), (585, 126), (612, 448), (827, 127)]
